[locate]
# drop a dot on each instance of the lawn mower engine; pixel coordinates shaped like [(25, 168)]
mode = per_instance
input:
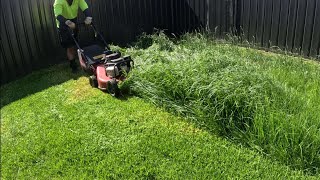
[(117, 66)]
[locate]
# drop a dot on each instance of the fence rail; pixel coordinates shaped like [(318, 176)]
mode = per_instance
[(29, 38)]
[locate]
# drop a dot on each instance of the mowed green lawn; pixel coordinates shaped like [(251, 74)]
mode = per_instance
[(57, 127)]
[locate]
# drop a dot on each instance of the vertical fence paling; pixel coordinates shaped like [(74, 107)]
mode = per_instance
[(315, 40)]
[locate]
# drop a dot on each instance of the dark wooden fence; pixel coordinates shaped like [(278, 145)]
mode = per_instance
[(29, 39), (292, 25), (122, 20)]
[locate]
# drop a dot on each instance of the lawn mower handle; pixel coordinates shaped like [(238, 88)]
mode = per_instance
[(100, 35), (95, 31), (73, 38)]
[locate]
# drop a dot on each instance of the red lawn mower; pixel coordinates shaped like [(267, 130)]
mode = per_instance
[(105, 67)]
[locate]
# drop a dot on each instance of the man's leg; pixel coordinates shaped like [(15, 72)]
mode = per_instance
[(67, 43), (71, 54)]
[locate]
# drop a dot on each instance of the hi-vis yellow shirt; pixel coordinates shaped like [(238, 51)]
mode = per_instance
[(62, 7)]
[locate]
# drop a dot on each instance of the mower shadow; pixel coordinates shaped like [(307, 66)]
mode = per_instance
[(36, 82)]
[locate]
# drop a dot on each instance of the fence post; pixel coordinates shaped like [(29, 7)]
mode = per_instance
[(207, 15)]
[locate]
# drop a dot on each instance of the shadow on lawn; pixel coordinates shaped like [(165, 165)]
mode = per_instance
[(43, 79), (36, 82)]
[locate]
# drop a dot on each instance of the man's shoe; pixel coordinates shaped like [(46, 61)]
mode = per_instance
[(73, 66)]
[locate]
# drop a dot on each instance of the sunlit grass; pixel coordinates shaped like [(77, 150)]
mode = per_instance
[(60, 128)]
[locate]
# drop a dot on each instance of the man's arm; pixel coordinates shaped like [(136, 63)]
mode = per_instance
[(85, 8), (57, 13), (58, 7)]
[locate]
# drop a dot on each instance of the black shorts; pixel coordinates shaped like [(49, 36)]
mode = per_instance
[(66, 40)]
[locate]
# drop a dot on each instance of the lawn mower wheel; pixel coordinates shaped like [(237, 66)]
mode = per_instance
[(112, 88), (93, 81)]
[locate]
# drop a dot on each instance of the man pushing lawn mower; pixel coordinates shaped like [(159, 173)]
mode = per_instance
[(66, 12), (105, 67)]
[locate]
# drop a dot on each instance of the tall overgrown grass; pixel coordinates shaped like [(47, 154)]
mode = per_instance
[(266, 101)]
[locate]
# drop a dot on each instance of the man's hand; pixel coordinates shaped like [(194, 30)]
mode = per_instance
[(88, 20), (71, 24)]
